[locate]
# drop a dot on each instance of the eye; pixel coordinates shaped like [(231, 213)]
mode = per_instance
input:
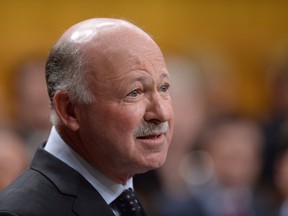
[(164, 88), (134, 93)]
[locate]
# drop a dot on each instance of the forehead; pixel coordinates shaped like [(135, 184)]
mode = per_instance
[(122, 54)]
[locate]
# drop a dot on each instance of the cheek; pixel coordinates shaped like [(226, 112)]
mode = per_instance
[(127, 118), (171, 121)]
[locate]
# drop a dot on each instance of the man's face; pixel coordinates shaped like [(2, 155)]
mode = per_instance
[(131, 87)]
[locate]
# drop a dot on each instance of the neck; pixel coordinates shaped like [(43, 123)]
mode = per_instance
[(105, 167)]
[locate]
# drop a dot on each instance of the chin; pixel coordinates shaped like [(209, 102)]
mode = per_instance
[(152, 163)]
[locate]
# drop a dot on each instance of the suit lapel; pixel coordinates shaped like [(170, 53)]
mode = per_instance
[(89, 202), (69, 182)]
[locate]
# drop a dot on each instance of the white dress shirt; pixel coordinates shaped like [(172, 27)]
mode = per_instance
[(107, 188)]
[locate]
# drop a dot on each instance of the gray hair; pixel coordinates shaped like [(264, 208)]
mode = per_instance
[(65, 72)]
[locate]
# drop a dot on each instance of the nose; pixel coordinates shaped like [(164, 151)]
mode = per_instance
[(158, 109)]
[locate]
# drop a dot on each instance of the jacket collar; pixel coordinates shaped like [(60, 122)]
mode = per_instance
[(69, 182)]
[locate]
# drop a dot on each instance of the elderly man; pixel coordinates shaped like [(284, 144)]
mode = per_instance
[(112, 116)]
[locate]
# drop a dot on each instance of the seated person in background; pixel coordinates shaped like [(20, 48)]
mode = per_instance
[(31, 102), (234, 145), (281, 173), (14, 157)]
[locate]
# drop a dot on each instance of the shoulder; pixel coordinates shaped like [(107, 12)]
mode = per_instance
[(29, 195), (22, 191)]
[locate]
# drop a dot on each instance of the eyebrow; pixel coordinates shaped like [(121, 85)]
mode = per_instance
[(144, 78), (164, 75)]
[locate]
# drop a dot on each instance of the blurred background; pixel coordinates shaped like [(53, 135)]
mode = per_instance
[(229, 65)]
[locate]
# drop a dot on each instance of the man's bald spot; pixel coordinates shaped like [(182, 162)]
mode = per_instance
[(104, 42), (97, 28)]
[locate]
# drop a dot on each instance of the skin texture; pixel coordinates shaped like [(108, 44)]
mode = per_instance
[(128, 77)]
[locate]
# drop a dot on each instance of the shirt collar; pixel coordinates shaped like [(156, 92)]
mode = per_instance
[(107, 188)]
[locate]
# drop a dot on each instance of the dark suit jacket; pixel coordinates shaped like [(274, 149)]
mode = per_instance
[(50, 187)]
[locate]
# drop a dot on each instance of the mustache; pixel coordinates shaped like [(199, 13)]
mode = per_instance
[(149, 128)]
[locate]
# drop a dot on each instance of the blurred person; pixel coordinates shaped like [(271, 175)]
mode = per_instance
[(234, 145), (281, 179), (32, 102), (280, 174), (221, 83), (275, 121), (14, 157), (5, 117), (190, 112), (112, 117)]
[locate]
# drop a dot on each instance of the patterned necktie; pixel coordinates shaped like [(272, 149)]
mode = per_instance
[(128, 204)]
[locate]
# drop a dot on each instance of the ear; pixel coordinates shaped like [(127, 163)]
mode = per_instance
[(66, 110)]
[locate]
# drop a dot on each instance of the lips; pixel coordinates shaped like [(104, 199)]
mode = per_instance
[(153, 142), (153, 136)]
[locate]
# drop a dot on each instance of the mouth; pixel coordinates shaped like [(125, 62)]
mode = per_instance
[(153, 142), (152, 136)]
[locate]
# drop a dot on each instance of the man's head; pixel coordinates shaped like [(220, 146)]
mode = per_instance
[(109, 91)]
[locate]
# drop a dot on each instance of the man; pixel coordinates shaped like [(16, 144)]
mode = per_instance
[(112, 116)]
